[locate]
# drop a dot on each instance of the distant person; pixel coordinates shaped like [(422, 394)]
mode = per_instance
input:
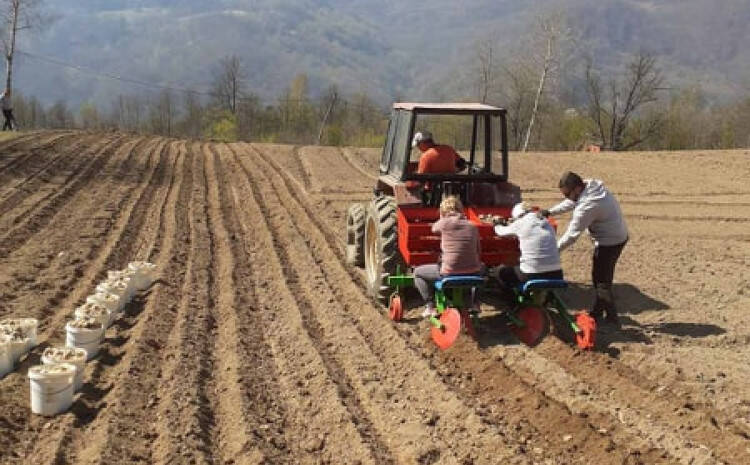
[(540, 258), (6, 102), (596, 209), (460, 251)]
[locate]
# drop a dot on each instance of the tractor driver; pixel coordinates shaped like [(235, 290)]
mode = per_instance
[(436, 158)]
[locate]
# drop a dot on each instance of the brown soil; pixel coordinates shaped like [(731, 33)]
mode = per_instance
[(259, 345)]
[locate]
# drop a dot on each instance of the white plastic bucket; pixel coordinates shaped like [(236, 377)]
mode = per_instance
[(27, 326), (119, 287), (75, 356), (145, 274), (51, 388), (114, 275), (96, 311), (88, 339), (6, 360), (106, 299), (18, 343), (125, 276)]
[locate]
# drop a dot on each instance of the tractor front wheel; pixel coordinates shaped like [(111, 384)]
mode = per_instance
[(382, 257)]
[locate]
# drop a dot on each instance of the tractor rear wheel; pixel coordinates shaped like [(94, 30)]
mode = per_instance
[(382, 257), (355, 234)]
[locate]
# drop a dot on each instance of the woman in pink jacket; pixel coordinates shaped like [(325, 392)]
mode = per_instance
[(460, 251)]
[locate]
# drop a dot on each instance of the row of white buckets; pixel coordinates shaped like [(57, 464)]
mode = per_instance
[(54, 383)]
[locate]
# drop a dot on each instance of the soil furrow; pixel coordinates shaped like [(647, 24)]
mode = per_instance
[(108, 399), (348, 157), (39, 143), (185, 421), (267, 201), (303, 170), (690, 415), (581, 397), (79, 284), (146, 226), (125, 429), (127, 234), (49, 266), (223, 391), (148, 250), (39, 167), (252, 419), (733, 444), (571, 425), (311, 398), (39, 216), (20, 202), (386, 387)]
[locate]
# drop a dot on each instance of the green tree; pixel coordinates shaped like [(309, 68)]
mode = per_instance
[(222, 126)]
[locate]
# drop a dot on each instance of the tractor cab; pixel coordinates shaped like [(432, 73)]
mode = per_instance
[(477, 131), (393, 232)]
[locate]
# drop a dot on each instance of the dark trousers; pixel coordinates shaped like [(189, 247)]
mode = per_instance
[(512, 277), (10, 121), (602, 275)]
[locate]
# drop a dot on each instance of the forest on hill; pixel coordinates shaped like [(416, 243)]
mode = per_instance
[(148, 65)]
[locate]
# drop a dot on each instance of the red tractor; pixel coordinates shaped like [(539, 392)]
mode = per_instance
[(392, 234)]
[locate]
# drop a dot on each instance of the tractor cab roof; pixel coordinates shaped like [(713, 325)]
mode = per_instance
[(448, 108)]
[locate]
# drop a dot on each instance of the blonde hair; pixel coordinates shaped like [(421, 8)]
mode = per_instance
[(451, 204)]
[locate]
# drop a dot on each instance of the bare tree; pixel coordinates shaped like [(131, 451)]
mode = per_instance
[(486, 68), (517, 93), (128, 111), (17, 15), (329, 101), (552, 30), (229, 83), (193, 116), (612, 110), (163, 113)]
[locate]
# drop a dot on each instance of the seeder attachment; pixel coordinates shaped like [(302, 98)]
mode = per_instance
[(586, 334), (446, 329)]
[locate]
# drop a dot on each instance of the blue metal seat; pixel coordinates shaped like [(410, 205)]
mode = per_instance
[(456, 281), (543, 284)]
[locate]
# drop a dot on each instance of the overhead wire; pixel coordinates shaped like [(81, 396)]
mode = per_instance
[(152, 85)]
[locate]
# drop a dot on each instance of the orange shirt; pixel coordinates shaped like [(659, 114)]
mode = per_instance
[(438, 159)]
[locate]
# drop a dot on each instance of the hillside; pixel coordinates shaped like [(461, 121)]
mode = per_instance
[(386, 48)]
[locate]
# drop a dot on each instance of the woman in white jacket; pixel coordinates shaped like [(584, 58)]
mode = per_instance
[(596, 209), (540, 258)]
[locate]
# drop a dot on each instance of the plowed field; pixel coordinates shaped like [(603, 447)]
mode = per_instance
[(258, 344)]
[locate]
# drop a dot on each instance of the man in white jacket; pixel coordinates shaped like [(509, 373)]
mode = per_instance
[(540, 258), (596, 209)]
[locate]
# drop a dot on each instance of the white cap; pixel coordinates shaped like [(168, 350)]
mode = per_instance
[(518, 210), (421, 137)]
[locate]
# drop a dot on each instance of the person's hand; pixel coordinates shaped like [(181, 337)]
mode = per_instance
[(543, 213)]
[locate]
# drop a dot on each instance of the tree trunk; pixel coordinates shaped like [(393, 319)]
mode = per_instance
[(539, 91), (325, 118), (12, 45)]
